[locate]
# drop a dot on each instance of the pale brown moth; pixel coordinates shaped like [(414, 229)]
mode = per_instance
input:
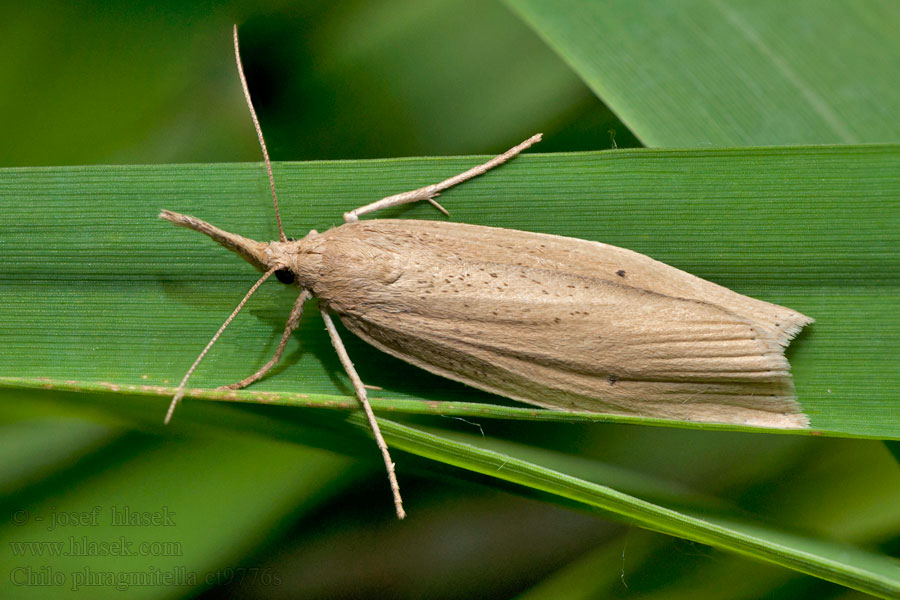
[(553, 321)]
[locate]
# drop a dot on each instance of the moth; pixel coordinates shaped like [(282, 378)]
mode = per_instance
[(553, 321)]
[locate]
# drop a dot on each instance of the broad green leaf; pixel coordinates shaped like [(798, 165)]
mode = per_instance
[(98, 290), (734, 72)]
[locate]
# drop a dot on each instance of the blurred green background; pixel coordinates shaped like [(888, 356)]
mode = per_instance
[(155, 82)]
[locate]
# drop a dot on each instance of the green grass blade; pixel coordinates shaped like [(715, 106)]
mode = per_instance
[(90, 275), (839, 563), (97, 289), (724, 73)]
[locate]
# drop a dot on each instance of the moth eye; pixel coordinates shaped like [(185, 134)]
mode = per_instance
[(285, 276)]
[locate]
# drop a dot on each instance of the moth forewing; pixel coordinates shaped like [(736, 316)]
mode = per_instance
[(559, 322)]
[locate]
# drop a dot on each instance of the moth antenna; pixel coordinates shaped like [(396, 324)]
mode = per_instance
[(259, 133), (179, 393)]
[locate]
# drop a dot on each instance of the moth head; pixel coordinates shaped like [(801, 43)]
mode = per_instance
[(261, 255)]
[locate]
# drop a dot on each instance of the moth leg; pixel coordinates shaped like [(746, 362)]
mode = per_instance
[(292, 323), (430, 191), (361, 395)]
